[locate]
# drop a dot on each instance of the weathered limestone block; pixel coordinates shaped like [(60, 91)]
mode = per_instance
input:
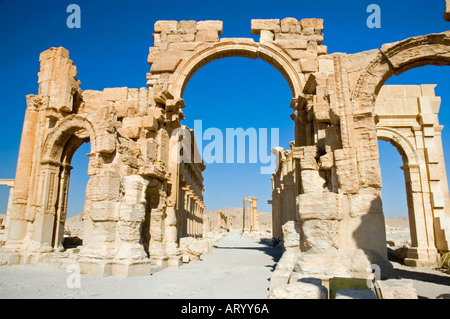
[(265, 24), (314, 24), (323, 264), (103, 232), (132, 207), (397, 289), (288, 259), (327, 161), (188, 26), (326, 65), (165, 25), (92, 100), (307, 288), (57, 79), (211, 24), (193, 248), (309, 65), (312, 182), (323, 206), (207, 35), (104, 211), (130, 251), (106, 143), (166, 62), (321, 234), (182, 36), (291, 234), (150, 123), (266, 36), (307, 156), (368, 200), (290, 25), (293, 45), (126, 108), (115, 94), (132, 127), (347, 170), (105, 186), (280, 277), (156, 230)]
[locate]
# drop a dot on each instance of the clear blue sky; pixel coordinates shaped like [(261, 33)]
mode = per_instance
[(111, 48)]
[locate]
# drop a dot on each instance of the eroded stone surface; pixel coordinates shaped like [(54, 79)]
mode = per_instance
[(141, 201)]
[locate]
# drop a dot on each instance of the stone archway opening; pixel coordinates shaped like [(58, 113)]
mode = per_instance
[(76, 200), (425, 85), (395, 176), (56, 166), (238, 95), (63, 239), (411, 113)]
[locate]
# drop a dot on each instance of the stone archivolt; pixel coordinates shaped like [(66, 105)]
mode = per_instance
[(141, 202)]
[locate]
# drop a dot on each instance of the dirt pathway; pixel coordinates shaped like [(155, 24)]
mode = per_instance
[(238, 267)]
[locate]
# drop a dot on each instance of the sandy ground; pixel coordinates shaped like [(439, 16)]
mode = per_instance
[(237, 268), (429, 283)]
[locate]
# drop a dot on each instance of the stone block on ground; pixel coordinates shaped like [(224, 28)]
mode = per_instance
[(306, 288), (397, 289)]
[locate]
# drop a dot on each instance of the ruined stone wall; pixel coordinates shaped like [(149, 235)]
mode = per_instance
[(134, 212), (190, 205), (284, 192)]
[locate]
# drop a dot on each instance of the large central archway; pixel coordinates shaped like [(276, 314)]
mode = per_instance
[(237, 48)]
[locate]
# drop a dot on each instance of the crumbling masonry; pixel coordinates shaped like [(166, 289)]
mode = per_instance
[(141, 201)]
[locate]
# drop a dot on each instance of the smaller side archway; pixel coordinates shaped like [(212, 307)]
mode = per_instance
[(396, 58), (423, 249), (58, 150)]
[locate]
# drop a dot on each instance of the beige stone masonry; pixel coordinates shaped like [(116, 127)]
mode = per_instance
[(144, 209)]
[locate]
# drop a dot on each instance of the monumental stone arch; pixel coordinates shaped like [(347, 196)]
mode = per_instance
[(238, 48), (415, 131), (143, 207)]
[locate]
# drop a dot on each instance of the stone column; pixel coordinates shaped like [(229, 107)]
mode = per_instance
[(244, 215), (429, 108), (254, 219), (157, 251), (61, 211), (131, 258), (102, 244), (17, 224), (419, 254), (44, 222)]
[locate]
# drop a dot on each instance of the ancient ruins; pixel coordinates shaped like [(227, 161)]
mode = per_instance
[(250, 218), (144, 207)]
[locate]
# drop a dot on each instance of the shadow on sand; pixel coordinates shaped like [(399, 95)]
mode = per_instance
[(264, 246)]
